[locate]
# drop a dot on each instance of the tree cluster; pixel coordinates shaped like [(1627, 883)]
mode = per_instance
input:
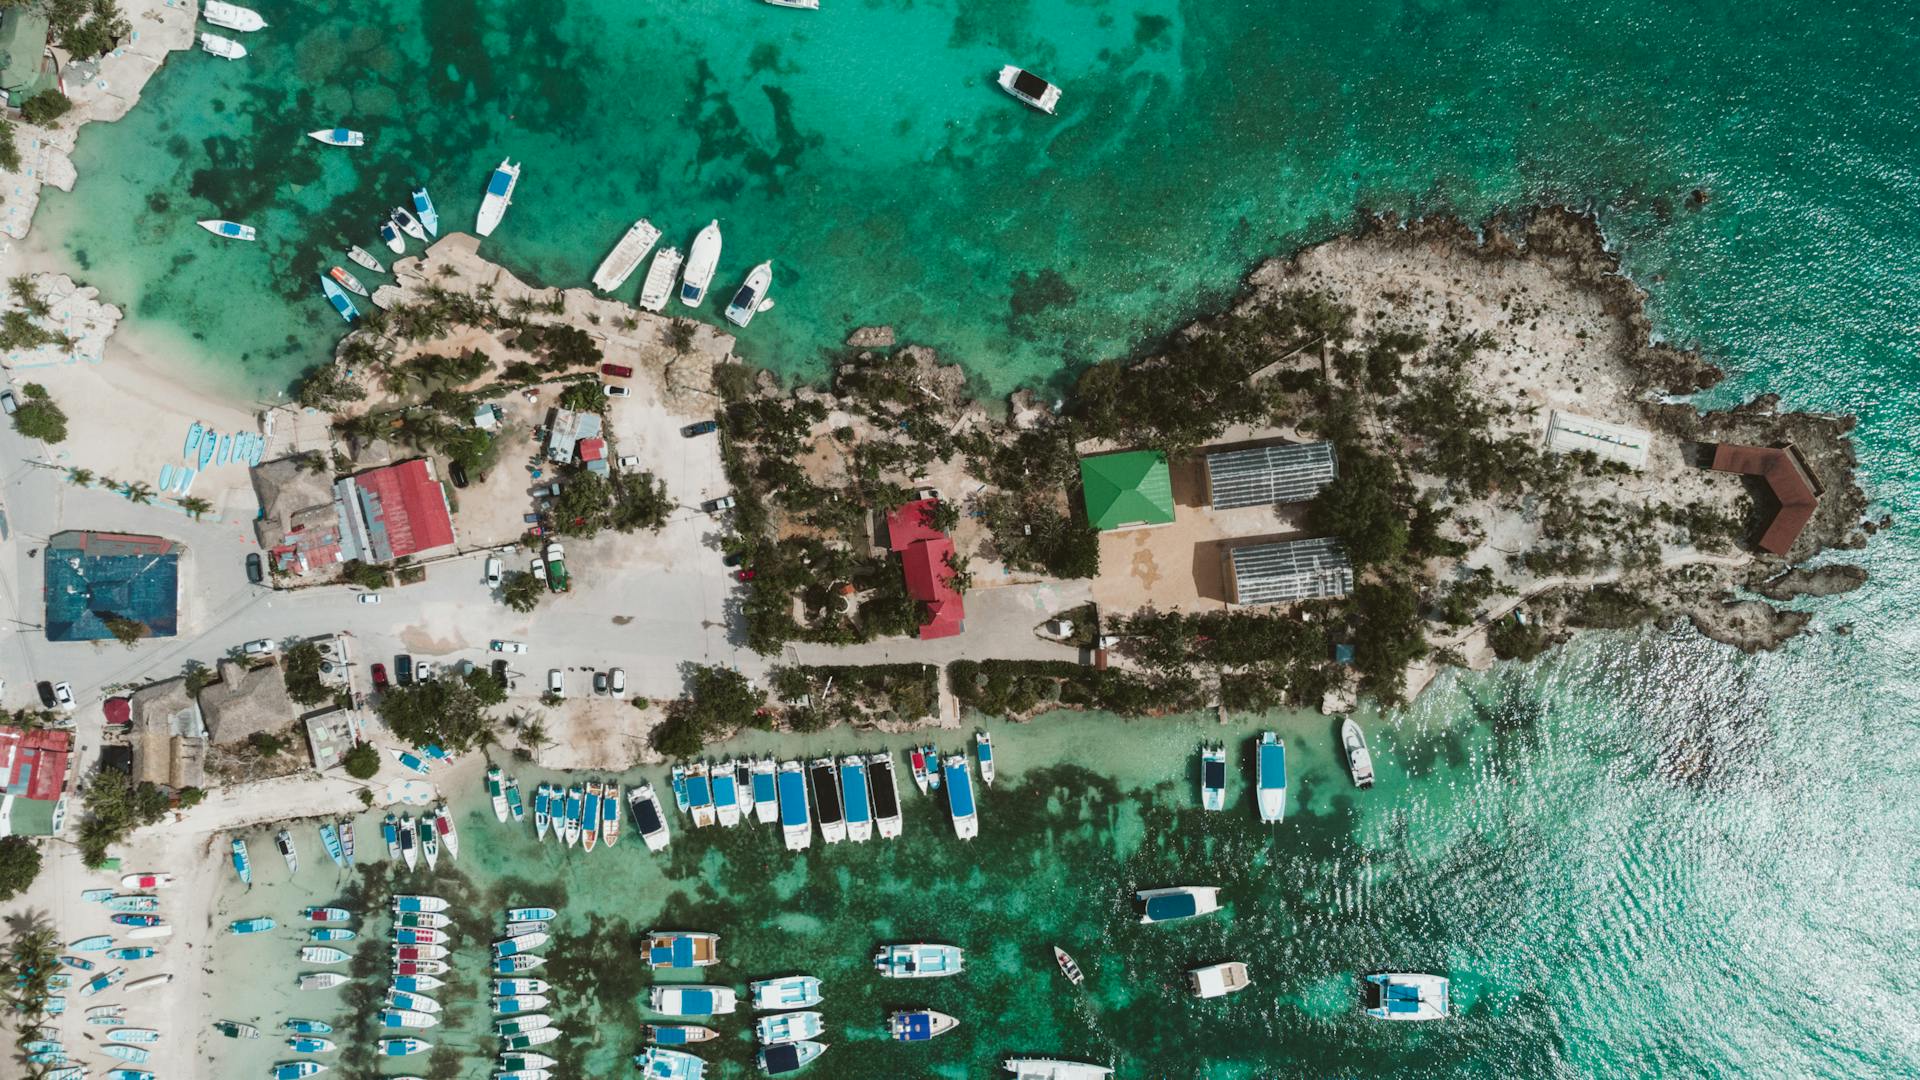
[(114, 807), (38, 417), (717, 702), (450, 711)]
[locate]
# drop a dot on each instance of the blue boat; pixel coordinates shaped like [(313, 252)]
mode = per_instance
[(919, 960), (726, 794), (657, 1064), (135, 952), (1179, 902), (251, 926), (919, 1025), (77, 963), (224, 455), (1270, 769), (680, 788), (294, 1070), (1406, 996), (96, 943), (330, 839), (542, 811), (403, 1047), (390, 235), (208, 444), (590, 809), (338, 297), (308, 1027), (959, 784), (700, 796), (423, 209), (183, 480), (766, 791), (796, 821), (301, 1044), (853, 792), (166, 477), (678, 1034)]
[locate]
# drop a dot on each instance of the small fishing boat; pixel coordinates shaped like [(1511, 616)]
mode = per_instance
[(886, 794), (143, 882), (526, 1003), (424, 208), (919, 1025), (726, 794), (414, 984), (787, 1027), (365, 258), (536, 1037), (257, 925), (284, 841), (517, 987), (346, 280), (226, 450), (132, 1055), (789, 1057), (193, 440), (499, 196), (77, 963), (826, 799), (409, 842), (412, 1002), (919, 961), (1218, 980), (320, 980), (1359, 760), (701, 262), (1067, 967), (521, 1025), (1270, 774), (338, 137), (692, 1000), (322, 954), (700, 796), (751, 297), (983, 750), (799, 5), (743, 788), (959, 780), (390, 235), (531, 914), (514, 965), (330, 839), (228, 230), (766, 790), (796, 824), (102, 981), (1176, 903), (409, 224), (514, 946), (130, 952), (415, 968), (645, 807), (346, 832), (225, 48), (308, 1044), (307, 1027), (933, 767), (679, 1034), (1025, 1068), (785, 992), (231, 16), (655, 1063), (133, 1036), (330, 933), (680, 798), (207, 446), (1213, 776), (590, 823), (658, 285), (1030, 88), (390, 832), (96, 943), (681, 949), (429, 841), (132, 903), (610, 813), (854, 794), (497, 794), (1405, 996), (233, 1029), (541, 815), (443, 826), (137, 920), (403, 1047), (151, 982), (570, 823), (917, 764), (516, 809), (522, 929), (408, 935), (620, 263)]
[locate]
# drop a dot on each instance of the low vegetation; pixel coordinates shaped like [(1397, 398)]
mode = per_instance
[(362, 762), (817, 698), (37, 417), (114, 806)]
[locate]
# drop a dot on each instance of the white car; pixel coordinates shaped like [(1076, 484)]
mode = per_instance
[(631, 461), (618, 677), (63, 695), (508, 646), (258, 648), (555, 685), (425, 670), (369, 597), (539, 570), (494, 567), (616, 390)]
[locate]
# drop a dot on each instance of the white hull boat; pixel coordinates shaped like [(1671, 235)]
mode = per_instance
[(228, 230), (390, 235), (224, 47), (796, 823), (429, 215), (919, 961), (1406, 996), (1030, 88), (338, 137), (659, 283), (232, 16), (1213, 777), (1218, 980), (701, 262), (409, 224), (360, 255), (625, 257), (1359, 760), (499, 196), (766, 790), (1270, 774), (886, 794), (692, 1000), (1054, 1069), (1179, 902), (752, 295)]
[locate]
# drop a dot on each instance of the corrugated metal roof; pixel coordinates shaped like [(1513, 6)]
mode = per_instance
[(1290, 570), (1265, 475)]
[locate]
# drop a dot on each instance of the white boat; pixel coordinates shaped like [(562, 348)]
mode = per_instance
[(227, 230), (681, 949), (224, 47), (659, 283), (826, 799), (802, 5), (409, 842), (151, 982), (724, 779), (360, 255), (1218, 980), (322, 954), (409, 224), (958, 780), (407, 999), (660, 1063), (1030, 88), (1025, 1068), (1406, 996), (142, 882), (337, 296), (856, 798), (796, 821), (404, 902), (766, 790), (443, 824), (626, 255), (751, 296), (743, 788), (1179, 902), (919, 1025), (517, 987), (346, 279), (524, 1003), (497, 794), (789, 1057), (320, 980), (429, 214), (338, 137), (787, 1027), (701, 262), (692, 1000), (1270, 773), (1213, 776), (699, 796), (786, 992), (542, 810), (919, 961), (390, 235), (886, 794), (284, 841), (231, 16), (647, 818), (1067, 967), (407, 1018), (499, 196), (983, 750), (1359, 761)]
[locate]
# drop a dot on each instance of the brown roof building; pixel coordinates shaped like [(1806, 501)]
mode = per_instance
[(168, 739), (1786, 476), (246, 701)]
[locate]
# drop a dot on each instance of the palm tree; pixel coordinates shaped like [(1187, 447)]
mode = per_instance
[(138, 491), (80, 477), (195, 506)]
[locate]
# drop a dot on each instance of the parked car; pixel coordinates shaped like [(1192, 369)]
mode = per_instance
[(615, 390), (46, 694), (734, 558), (63, 696), (599, 682), (379, 676), (555, 684), (618, 371), (256, 571), (500, 672), (8, 402), (630, 461), (618, 679), (369, 597), (714, 506), (539, 570), (425, 670), (704, 427), (500, 646), (258, 648), (458, 472), (403, 669), (494, 567)]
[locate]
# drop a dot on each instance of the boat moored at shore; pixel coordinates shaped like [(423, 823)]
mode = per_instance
[(658, 286), (227, 230), (853, 792), (751, 297), (647, 816), (232, 16), (1270, 776), (702, 260), (338, 137), (959, 784), (625, 257), (223, 47), (796, 823), (1218, 980), (1213, 776), (499, 196), (1359, 760)]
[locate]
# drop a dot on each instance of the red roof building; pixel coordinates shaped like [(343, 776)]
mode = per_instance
[(34, 763), (593, 449), (119, 710), (925, 557), (1786, 476), (401, 510)]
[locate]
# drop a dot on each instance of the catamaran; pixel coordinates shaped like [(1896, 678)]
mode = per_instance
[(859, 805), (658, 1063), (795, 823), (590, 823), (329, 933), (241, 864), (682, 949), (919, 961), (409, 224), (919, 1025), (338, 137), (626, 255), (542, 815), (959, 780), (699, 796), (692, 1000), (1030, 88), (443, 824), (1271, 774), (786, 992), (789, 1057), (326, 914), (429, 216), (766, 791), (610, 813), (1213, 776), (701, 262), (1406, 996), (284, 841), (224, 47), (497, 794), (886, 794), (647, 817), (1218, 980), (1176, 903), (826, 798), (571, 825), (659, 282), (228, 230), (390, 235), (1359, 761), (338, 297), (787, 1027), (726, 794), (360, 255), (231, 16), (743, 788), (751, 296), (499, 196), (983, 749)]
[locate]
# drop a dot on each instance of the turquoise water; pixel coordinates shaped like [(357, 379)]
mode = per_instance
[(1753, 916)]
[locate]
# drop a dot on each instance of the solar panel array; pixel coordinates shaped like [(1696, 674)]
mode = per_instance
[(1290, 570), (1266, 475)]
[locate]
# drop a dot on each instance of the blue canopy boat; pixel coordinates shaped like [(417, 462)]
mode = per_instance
[(1271, 775), (796, 823), (919, 1025)]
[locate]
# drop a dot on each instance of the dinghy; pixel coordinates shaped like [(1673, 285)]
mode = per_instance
[(360, 255), (390, 235), (1067, 967)]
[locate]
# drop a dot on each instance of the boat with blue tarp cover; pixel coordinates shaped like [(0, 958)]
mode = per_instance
[(677, 949), (766, 792), (859, 805), (241, 864), (919, 1025), (1405, 996), (1176, 903), (959, 783), (679, 1034), (726, 795), (1271, 776), (795, 822)]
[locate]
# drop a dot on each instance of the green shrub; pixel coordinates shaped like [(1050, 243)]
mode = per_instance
[(362, 762), (45, 107)]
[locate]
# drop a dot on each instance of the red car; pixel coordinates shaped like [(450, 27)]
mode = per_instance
[(379, 676), (618, 371)]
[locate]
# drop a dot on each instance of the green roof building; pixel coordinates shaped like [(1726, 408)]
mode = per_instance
[(1127, 490), (23, 45)]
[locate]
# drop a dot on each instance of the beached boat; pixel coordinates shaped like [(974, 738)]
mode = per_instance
[(130, 952), (499, 196), (232, 1029), (405, 902), (571, 823), (320, 980), (1270, 774), (854, 794), (1067, 967), (132, 1055), (77, 963), (789, 1057), (521, 1025), (1359, 760), (1030, 88), (330, 933), (518, 987), (516, 809), (330, 840), (415, 968), (231, 16), (390, 236), (497, 793), (886, 794), (429, 215), (919, 1025), (390, 832), (658, 285), (647, 818), (983, 750), (1405, 996), (143, 882), (796, 823), (257, 925), (704, 257), (304, 1026), (338, 137), (133, 1036), (409, 224), (785, 992), (514, 946), (1218, 980), (223, 47), (136, 902), (102, 981), (721, 778), (1213, 776), (610, 813), (443, 825), (284, 841), (542, 813), (346, 832), (762, 780), (1026, 1068), (191, 452), (409, 841), (346, 280), (322, 954), (692, 1000), (679, 1034), (151, 982), (228, 230), (751, 298), (136, 920), (524, 1003), (680, 799), (787, 1027), (959, 782), (682, 949), (590, 816), (403, 1047), (410, 1001), (310, 1044), (828, 808), (365, 258), (150, 931), (1176, 903), (700, 796), (919, 961), (620, 263)]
